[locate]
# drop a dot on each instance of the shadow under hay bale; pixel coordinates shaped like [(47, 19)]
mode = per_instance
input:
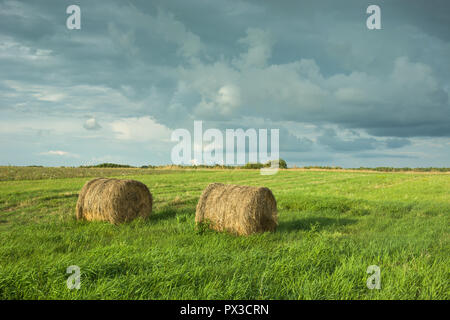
[(113, 200), (242, 210)]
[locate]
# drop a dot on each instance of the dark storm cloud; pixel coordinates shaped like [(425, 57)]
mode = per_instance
[(374, 155), (356, 143), (397, 143), (330, 139)]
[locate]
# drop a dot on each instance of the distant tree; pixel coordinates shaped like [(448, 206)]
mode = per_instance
[(112, 165), (252, 165), (281, 163), (147, 167)]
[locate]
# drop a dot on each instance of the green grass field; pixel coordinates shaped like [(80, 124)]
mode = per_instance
[(332, 226)]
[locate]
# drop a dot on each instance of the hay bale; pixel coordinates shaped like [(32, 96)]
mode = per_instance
[(242, 210), (113, 200)]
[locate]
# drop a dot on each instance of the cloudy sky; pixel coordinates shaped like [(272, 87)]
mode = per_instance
[(114, 91)]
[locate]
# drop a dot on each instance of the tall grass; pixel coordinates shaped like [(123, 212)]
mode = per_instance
[(332, 226)]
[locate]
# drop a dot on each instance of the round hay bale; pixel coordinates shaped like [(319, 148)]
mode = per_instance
[(113, 200), (242, 210)]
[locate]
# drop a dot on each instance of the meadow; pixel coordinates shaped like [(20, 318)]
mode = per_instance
[(332, 226)]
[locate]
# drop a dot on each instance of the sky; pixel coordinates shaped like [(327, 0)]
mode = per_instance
[(115, 90)]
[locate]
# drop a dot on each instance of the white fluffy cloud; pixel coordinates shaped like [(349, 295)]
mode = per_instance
[(259, 49), (91, 124), (59, 153), (140, 130)]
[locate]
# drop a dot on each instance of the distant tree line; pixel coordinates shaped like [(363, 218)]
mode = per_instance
[(383, 169), (252, 165), (256, 165), (282, 165), (108, 165)]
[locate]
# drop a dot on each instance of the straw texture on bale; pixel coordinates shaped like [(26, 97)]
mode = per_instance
[(113, 200), (241, 210)]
